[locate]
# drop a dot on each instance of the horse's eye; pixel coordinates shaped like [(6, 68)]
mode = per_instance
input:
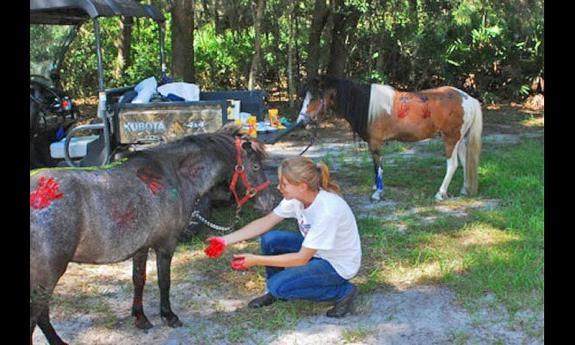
[(256, 166)]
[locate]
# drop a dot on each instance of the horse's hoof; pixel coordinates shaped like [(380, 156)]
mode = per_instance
[(143, 323), (376, 196), (440, 196), (464, 191), (172, 321)]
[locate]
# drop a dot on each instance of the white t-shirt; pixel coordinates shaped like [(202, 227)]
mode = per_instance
[(328, 225)]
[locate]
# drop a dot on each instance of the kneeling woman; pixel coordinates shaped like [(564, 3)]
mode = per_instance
[(314, 264)]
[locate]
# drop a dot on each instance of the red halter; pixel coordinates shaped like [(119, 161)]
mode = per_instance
[(240, 171)]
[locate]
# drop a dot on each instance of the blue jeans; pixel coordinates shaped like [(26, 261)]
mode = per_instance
[(315, 281)]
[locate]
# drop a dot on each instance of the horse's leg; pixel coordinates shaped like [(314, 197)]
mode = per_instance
[(451, 167), (462, 153), (139, 280), (378, 173), (45, 271), (164, 261), (47, 329)]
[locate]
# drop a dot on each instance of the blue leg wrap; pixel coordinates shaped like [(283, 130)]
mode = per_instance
[(379, 179)]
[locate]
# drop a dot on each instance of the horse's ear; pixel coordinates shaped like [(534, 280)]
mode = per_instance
[(250, 143), (312, 86), (246, 145), (323, 82)]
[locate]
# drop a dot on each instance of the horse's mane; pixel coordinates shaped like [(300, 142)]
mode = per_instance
[(232, 129), (351, 100), (221, 141)]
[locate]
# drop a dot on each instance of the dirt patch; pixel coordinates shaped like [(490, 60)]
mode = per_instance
[(510, 119), (421, 315)]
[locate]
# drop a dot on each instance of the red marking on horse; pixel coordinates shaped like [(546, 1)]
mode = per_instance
[(123, 218), (193, 172), (426, 112), (402, 111), (138, 300), (141, 274), (45, 193), (152, 180)]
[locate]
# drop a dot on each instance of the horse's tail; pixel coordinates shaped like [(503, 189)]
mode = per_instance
[(473, 147)]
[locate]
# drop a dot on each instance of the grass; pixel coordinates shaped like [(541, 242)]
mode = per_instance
[(499, 251), (513, 270), (358, 334), (458, 337)]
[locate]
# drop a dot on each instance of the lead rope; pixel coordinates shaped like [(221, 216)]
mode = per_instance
[(196, 215), (251, 192), (313, 138)]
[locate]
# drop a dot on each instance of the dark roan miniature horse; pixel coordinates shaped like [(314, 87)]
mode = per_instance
[(108, 215), (378, 113)]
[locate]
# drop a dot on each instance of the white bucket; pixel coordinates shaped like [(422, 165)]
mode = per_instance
[(78, 147)]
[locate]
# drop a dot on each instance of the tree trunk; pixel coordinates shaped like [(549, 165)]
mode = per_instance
[(279, 57), (413, 14), (416, 77), (320, 15), (297, 53), (345, 20), (255, 68), (205, 11), (290, 55), (183, 40), (217, 20), (124, 45)]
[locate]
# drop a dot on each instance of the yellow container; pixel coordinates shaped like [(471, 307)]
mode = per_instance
[(273, 115)]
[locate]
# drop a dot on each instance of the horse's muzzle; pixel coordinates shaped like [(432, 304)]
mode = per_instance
[(264, 201)]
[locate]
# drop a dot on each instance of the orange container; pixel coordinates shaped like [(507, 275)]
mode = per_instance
[(252, 130)]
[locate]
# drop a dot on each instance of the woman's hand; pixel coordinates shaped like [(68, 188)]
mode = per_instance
[(244, 261), (216, 247)]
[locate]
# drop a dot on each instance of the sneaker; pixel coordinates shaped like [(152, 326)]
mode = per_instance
[(262, 301), (344, 305)]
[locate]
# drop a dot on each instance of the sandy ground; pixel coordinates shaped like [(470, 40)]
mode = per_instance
[(416, 315)]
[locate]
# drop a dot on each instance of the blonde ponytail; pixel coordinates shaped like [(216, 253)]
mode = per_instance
[(297, 170), (326, 183)]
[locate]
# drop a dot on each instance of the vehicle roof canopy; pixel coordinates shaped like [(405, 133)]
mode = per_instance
[(72, 12)]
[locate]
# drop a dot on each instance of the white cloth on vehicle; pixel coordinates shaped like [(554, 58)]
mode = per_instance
[(189, 92), (145, 89)]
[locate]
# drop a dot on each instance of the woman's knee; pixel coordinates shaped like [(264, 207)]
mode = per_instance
[(277, 284), (273, 287)]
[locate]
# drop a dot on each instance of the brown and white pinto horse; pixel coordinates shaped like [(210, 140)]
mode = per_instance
[(379, 113)]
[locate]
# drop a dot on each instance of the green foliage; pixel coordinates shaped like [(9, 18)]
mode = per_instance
[(46, 42), (492, 49), (220, 58), (81, 69)]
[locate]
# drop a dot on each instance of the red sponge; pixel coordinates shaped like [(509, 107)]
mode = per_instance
[(216, 247), (238, 263)]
